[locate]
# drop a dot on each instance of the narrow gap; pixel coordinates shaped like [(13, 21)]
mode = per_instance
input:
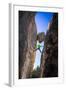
[(42, 20)]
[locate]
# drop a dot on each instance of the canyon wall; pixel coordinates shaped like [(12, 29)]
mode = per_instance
[(49, 57), (27, 42)]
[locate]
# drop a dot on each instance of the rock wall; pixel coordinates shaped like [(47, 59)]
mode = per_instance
[(49, 57), (27, 42)]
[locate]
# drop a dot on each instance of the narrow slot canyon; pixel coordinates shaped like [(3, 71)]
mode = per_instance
[(38, 44)]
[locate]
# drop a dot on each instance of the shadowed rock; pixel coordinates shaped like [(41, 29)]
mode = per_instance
[(49, 57)]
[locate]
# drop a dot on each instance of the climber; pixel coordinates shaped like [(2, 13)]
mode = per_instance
[(38, 47)]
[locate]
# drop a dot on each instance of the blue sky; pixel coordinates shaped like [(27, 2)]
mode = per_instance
[(42, 19)]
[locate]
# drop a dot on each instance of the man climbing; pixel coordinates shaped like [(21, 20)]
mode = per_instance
[(38, 47), (40, 38)]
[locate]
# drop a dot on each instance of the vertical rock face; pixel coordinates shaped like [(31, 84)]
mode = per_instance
[(27, 42), (49, 58)]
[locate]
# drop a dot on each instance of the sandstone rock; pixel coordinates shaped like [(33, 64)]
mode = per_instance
[(49, 57), (27, 41)]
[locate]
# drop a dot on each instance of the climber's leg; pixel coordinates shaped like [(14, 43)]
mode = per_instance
[(36, 49), (39, 50)]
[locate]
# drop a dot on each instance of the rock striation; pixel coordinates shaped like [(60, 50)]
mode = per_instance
[(27, 42)]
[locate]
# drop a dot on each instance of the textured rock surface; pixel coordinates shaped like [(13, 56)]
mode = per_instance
[(27, 41), (41, 37), (49, 58)]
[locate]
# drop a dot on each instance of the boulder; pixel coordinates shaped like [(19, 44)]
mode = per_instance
[(41, 37)]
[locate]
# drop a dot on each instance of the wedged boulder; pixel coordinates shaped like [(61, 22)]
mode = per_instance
[(27, 41), (41, 37), (49, 57)]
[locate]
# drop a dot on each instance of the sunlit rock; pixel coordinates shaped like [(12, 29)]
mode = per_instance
[(27, 42)]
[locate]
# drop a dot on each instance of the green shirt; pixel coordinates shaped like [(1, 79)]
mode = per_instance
[(38, 46)]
